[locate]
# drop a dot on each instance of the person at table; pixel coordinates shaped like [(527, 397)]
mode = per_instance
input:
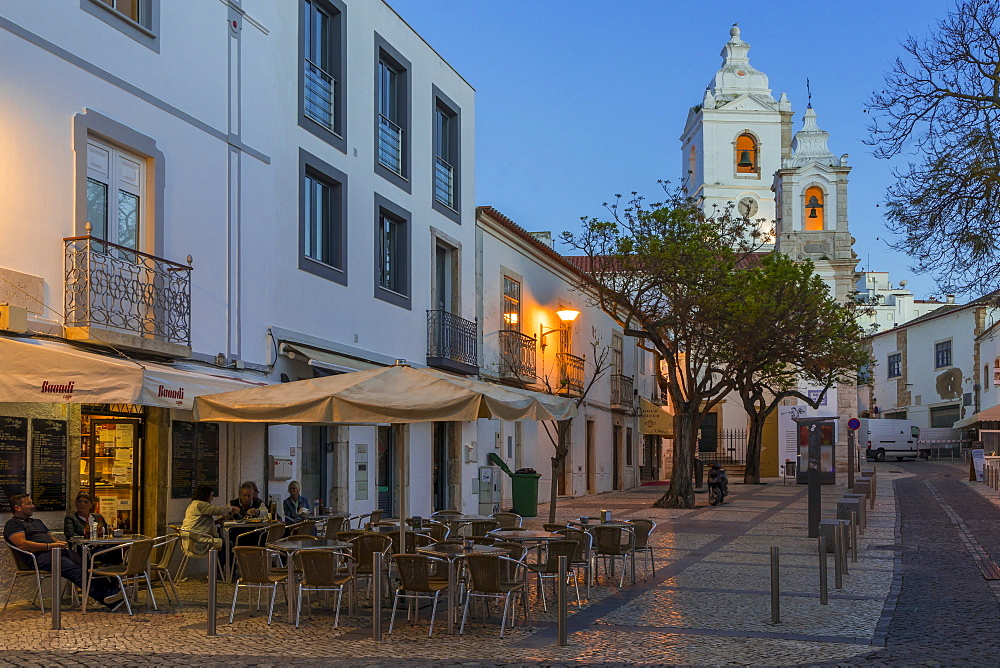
[(200, 517), (295, 504), (246, 506), (29, 534), (77, 525)]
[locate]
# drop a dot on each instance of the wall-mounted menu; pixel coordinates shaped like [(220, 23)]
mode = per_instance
[(194, 458), (48, 464), (13, 457)]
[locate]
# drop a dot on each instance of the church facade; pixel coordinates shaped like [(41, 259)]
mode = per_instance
[(739, 151)]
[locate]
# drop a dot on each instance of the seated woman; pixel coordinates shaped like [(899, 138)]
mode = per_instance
[(77, 525), (296, 507), (200, 517)]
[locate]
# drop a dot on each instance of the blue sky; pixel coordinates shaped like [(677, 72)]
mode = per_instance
[(577, 101)]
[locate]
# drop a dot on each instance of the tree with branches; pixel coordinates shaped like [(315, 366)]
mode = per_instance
[(943, 101), (786, 331), (662, 271)]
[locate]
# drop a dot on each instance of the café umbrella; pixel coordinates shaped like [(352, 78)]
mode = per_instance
[(398, 394)]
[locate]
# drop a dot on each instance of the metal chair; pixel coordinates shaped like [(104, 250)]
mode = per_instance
[(301, 538), (643, 530), (322, 570), (550, 567), (189, 538), (374, 517), (439, 530), (134, 568), (305, 527), (508, 520), (446, 513), (255, 573), (333, 526), (479, 528), (26, 566), (554, 528), (363, 549), (611, 548), (583, 556), (165, 546), (417, 581), (486, 582)]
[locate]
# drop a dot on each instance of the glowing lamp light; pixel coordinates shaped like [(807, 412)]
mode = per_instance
[(567, 315)]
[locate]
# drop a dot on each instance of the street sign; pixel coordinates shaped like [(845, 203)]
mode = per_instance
[(854, 424)]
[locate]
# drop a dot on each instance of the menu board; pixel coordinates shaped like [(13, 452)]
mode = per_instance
[(48, 464), (13, 456), (194, 457)]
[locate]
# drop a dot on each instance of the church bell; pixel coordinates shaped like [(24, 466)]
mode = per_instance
[(812, 205), (745, 160)]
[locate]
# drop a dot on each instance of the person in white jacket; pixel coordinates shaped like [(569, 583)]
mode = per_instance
[(200, 517)]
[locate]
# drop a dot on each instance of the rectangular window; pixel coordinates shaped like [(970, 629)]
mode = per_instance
[(322, 216), (447, 156), (392, 114), (945, 416), (617, 353), (115, 183), (136, 19), (321, 70), (511, 304), (392, 253), (942, 354), (895, 364), (136, 11)]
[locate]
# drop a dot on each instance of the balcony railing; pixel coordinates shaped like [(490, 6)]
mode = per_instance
[(319, 95), (444, 182), (570, 373), (390, 144), (452, 342), (622, 395), (117, 288), (517, 355)]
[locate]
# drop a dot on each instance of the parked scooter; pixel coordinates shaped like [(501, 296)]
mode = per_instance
[(718, 485)]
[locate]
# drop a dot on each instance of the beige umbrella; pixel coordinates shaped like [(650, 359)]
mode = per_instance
[(397, 395)]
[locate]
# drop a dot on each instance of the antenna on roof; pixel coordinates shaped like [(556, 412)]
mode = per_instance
[(809, 94)]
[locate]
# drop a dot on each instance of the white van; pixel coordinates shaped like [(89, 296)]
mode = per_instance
[(889, 438)]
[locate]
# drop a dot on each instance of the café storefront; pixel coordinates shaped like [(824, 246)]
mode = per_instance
[(73, 419)]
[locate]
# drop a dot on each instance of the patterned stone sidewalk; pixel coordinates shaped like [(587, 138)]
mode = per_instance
[(708, 604)]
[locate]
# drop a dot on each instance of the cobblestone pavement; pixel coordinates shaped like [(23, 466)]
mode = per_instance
[(916, 596)]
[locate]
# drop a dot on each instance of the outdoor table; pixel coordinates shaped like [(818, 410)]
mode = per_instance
[(88, 545), (617, 524), (452, 552), (227, 540), (290, 547), (527, 536)]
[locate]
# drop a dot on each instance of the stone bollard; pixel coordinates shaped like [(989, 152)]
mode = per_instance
[(828, 530), (862, 511), (863, 485), (846, 506)]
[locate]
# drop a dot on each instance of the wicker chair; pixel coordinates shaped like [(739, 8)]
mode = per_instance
[(255, 573), (486, 581), (364, 547), (583, 556), (446, 513), (374, 517), (643, 529), (301, 538), (418, 581), (508, 520), (190, 540), (305, 527), (439, 530), (334, 525), (411, 541), (550, 567), (323, 570), (554, 528), (479, 528), (134, 568), (348, 536), (611, 547), (164, 549)]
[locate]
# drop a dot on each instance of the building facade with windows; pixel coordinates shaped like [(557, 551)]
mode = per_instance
[(540, 332), (244, 193), (888, 305)]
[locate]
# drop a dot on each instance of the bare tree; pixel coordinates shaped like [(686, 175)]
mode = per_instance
[(943, 102)]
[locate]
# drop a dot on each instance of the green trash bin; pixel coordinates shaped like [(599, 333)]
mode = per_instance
[(524, 489)]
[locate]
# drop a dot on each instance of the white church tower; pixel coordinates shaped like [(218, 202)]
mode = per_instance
[(736, 139)]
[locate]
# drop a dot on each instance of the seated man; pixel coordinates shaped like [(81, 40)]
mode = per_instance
[(31, 535)]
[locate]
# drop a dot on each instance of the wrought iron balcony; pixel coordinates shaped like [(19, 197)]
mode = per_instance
[(571, 376), (444, 182), (120, 290), (452, 343), (517, 356), (390, 144), (318, 102), (622, 396)]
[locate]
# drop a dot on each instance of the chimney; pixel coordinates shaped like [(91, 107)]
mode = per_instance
[(544, 237), (951, 299)]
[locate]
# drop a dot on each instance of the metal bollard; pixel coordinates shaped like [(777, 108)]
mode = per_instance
[(561, 601), (845, 534), (823, 599), (854, 537), (838, 544), (57, 588), (775, 590), (213, 586), (377, 595)]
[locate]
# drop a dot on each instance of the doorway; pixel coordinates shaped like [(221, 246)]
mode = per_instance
[(387, 473), (317, 446), (591, 460), (110, 465), (616, 456), (440, 489)]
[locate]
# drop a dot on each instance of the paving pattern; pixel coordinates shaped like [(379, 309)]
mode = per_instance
[(916, 596)]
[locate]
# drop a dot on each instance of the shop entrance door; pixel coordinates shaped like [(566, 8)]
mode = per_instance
[(441, 465), (110, 464), (388, 481)]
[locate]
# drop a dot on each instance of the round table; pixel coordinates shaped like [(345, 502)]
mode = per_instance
[(88, 545), (290, 547), (452, 552)]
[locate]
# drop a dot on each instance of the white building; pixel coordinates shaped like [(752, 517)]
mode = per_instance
[(889, 306)]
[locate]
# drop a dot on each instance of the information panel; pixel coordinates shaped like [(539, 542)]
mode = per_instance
[(13, 456), (194, 457), (49, 441)]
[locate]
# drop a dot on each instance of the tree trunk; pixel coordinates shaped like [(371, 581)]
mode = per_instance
[(680, 494), (557, 463), (754, 439)]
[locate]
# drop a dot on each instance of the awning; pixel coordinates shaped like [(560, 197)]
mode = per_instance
[(654, 420), (987, 415), (325, 359), (43, 371)]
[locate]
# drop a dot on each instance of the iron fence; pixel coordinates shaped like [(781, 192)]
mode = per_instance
[(730, 447), (444, 182), (571, 374), (517, 354), (622, 395), (390, 144), (320, 87), (452, 337)]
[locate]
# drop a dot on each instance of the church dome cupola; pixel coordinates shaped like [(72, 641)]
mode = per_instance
[(809, 144), (737, 76)]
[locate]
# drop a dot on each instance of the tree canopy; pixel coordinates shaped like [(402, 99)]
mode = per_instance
[(943, 103)]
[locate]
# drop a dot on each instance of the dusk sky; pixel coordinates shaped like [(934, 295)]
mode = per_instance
[(577, 101)]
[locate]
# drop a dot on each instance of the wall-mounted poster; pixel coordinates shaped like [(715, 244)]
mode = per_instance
[(49, 441)]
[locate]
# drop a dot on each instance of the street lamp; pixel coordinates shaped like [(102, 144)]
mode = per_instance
[(565, 315)]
